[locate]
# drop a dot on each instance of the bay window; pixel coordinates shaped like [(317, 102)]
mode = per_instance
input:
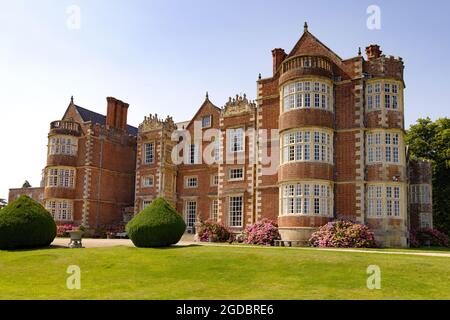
[(305, 145), (59, 177), (62, 145), (383, 146), (389, 98), (61, 210), (384, 200), (307, 198), (307, 94)]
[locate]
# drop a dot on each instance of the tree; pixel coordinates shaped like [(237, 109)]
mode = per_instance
[(431, 141), (26, 184), (3, 203)]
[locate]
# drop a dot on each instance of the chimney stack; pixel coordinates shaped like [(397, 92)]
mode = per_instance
[(373, 52), (278, 56), (117, 113)]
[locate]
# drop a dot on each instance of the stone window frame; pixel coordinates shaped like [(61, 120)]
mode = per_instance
[(209, 124), (383, 204), (146, 203), (236, 143), (238, 178), (291, 140), (55, 145), (307, 198), (214, 209), (56, 208), (193, 154), (420, 193), (213, 182), (381, 151), (376, 93), (150, 176), (235, 221), (305, 94), (55, 179), (425, 220), (151, 153), (187, 183), (187, 206)]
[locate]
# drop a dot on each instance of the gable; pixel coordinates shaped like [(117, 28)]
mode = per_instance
[(72, 114), (310, 45), (207, 108)]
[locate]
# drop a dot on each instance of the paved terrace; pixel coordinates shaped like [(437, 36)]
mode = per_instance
[(187, 240)]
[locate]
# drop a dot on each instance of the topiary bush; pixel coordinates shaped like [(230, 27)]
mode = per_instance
[(343, 234), (211, 231), (24, 224), (263, 232), (158, 225), (428, 237)]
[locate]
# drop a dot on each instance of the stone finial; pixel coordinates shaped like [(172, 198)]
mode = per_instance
[(259, 76), (207, 95), (305, 27), (71, 100), (359, 51), (238, 105)]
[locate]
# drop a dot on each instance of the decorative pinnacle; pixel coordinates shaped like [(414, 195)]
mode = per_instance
[(359, 51), (259, 76), (71, 100), (306, 26), (207, 95)]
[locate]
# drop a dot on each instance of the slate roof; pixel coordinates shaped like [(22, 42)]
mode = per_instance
[(94, 117)]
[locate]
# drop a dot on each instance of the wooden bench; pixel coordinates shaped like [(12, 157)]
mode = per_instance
[(121, 235), (288, 243)]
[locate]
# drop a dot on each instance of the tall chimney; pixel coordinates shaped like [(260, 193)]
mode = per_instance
[(124, 116), (111, 112), (278, 56), (373, 52)]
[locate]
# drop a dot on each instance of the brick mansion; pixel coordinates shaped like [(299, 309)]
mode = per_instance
[(324, 139)]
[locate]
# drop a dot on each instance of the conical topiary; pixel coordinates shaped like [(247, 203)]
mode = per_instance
[(24, 223), (158, 225)]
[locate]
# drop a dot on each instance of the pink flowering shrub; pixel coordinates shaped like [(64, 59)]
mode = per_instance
[(428, 237), (61, 230), (263, 232), (211, 231), (343, 234)]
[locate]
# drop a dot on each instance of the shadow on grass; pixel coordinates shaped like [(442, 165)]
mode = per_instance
[(175, 246)]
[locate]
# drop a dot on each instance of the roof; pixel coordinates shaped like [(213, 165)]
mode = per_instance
[(94, 117)]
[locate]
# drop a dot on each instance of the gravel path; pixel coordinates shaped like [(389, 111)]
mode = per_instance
[(187, 240)]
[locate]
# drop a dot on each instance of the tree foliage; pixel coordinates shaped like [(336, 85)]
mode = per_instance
[(26, 184), (431, 141)]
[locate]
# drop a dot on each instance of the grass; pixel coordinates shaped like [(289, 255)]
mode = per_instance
[(206, 272)]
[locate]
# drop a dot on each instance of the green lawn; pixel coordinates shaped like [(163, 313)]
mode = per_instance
[(206, 272)]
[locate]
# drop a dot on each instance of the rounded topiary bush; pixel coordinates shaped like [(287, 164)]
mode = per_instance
[(158, 225), (24, 223)]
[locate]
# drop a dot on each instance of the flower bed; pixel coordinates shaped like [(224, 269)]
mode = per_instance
[(61, 230), (263, 232), (343, 234), (428, 237), (211, 231)]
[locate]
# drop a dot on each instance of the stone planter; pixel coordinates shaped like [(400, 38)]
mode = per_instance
[(75, 238)]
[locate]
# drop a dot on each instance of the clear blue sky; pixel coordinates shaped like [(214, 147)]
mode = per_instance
[(161, 56)]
